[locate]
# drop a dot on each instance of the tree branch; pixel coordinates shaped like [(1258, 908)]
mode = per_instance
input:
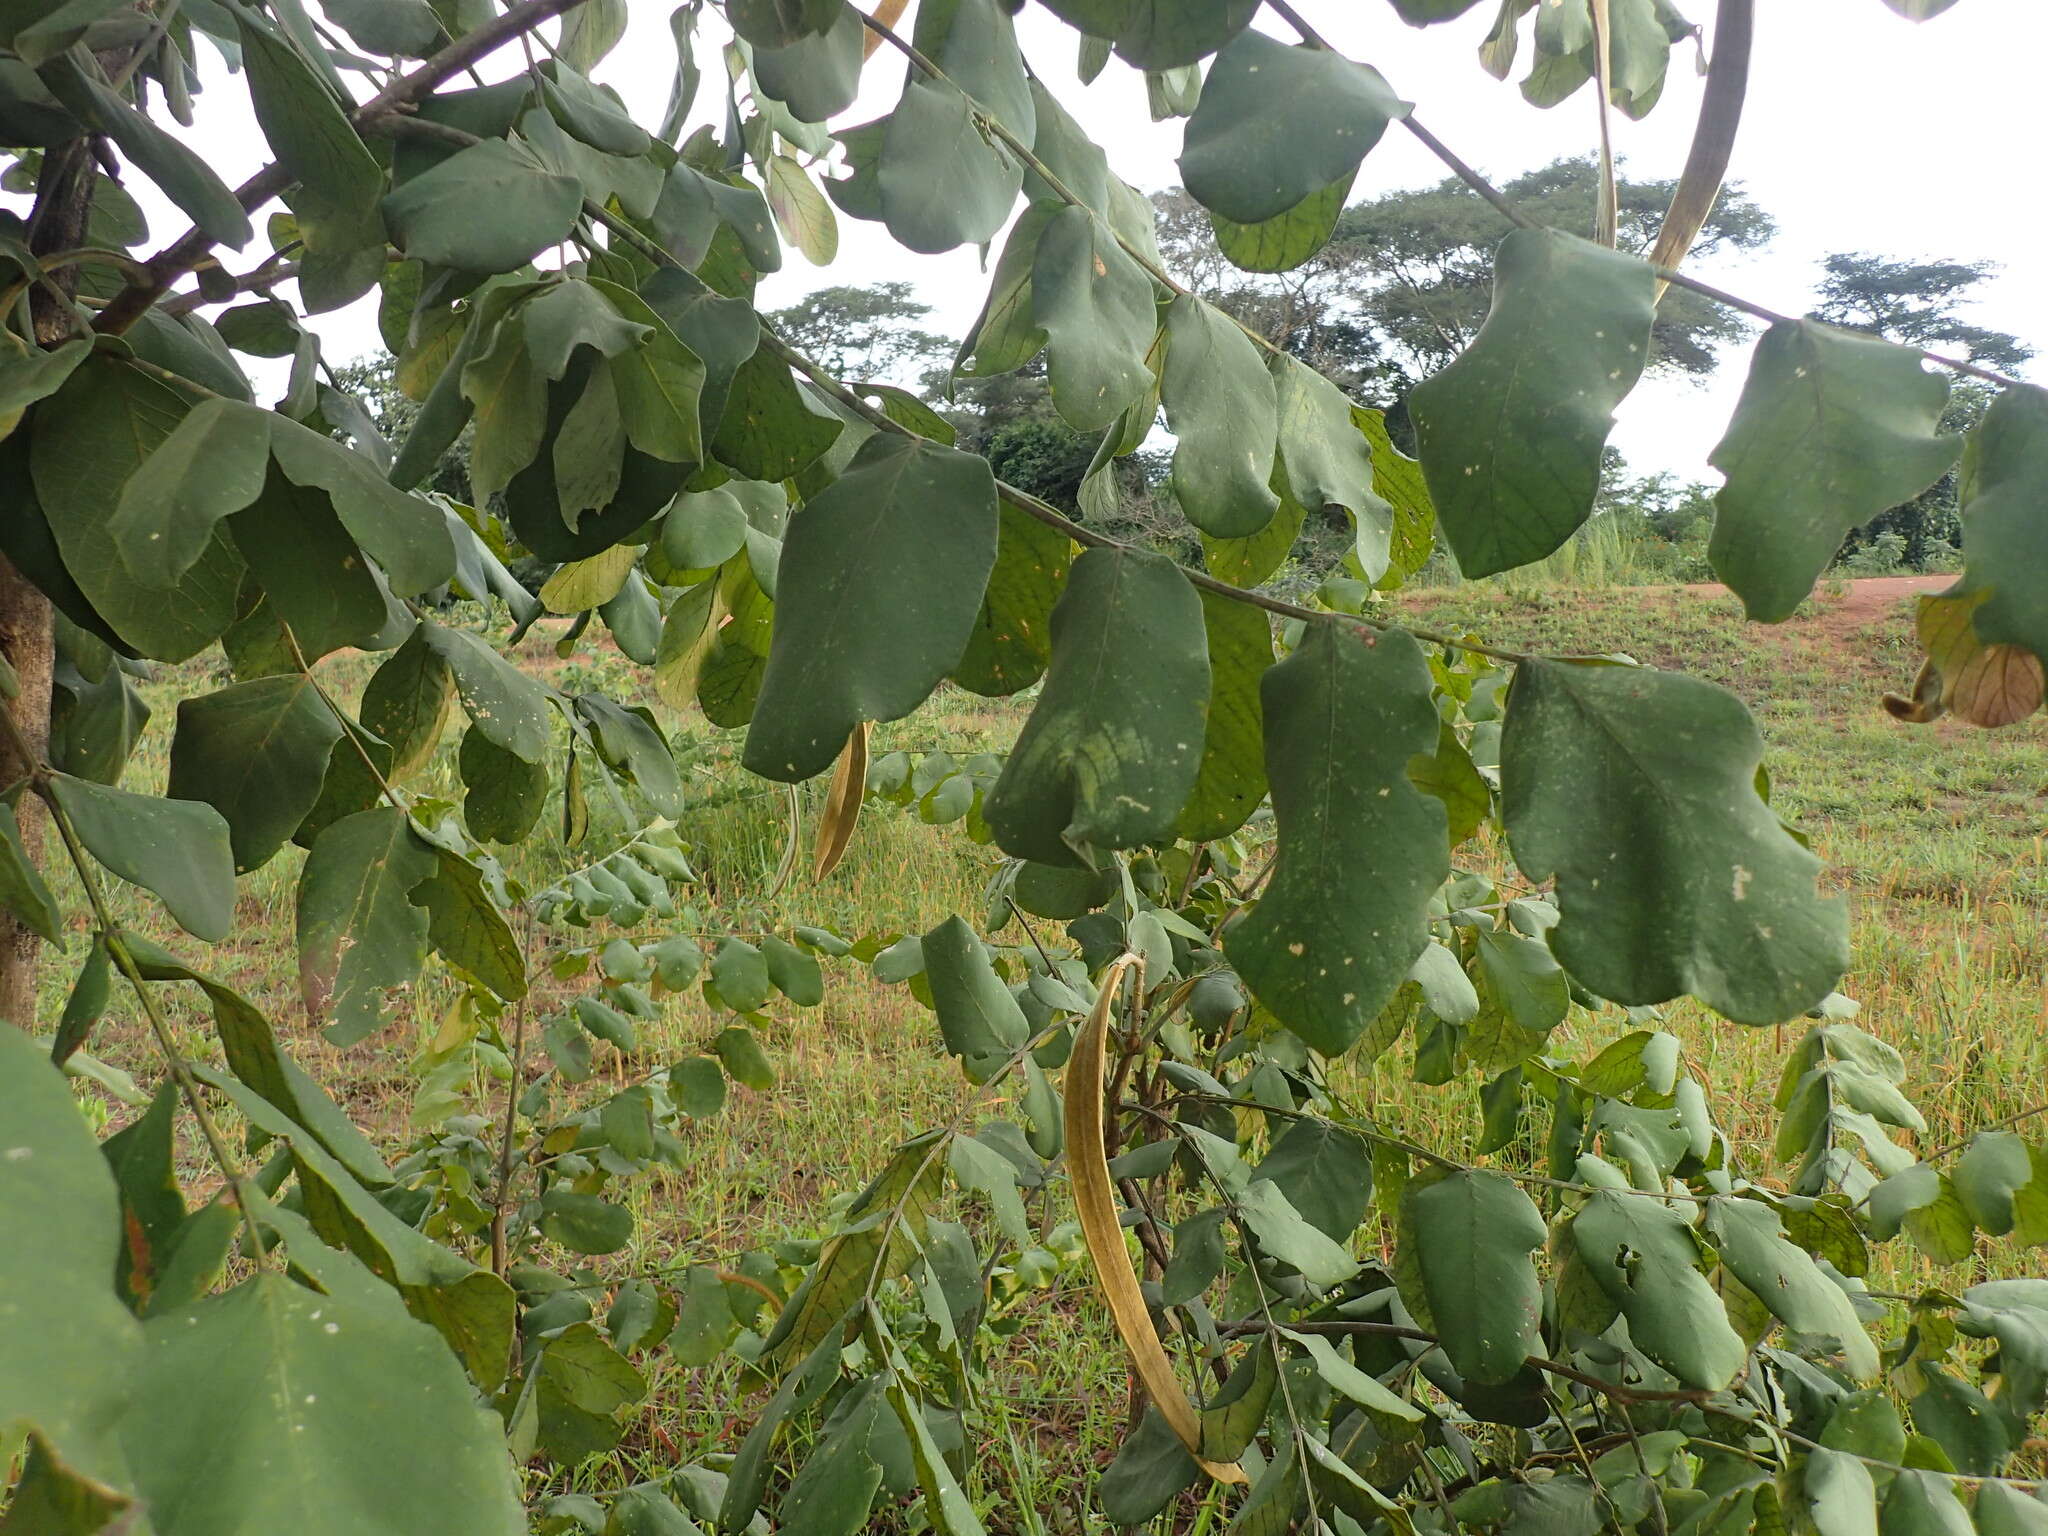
[(180, 257)]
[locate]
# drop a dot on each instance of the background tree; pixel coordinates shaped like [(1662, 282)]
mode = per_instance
[(870, 333)]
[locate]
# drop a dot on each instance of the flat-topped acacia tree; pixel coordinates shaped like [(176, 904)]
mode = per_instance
[(1595, 1316)]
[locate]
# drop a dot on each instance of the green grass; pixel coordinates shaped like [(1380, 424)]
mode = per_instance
[(1935, 833)]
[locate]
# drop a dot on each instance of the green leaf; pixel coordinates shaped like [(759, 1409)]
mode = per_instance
[(1278, 123), (1921, 1199), (68, 1347), (660, 385), (504, 703), (1012, 638), (86, 441), (1840, 1497), (506, 794), (1636, 790), (1924, 1504), (465, 925), (780, 23), (629, 744), (406, 704), (740, 975), (179, 171), (818, 75), (1285, 241), (1283, 1233), (1111, 750), (313, 574), (801, 211), (321, 1367), (214, 463), (795, 973), (2005, 552), (1151, 1467), (1526, 996), (338, 179), (22, 891), (1325, 1172), (1464, 1243), (770, 430), (1096, 307), (942, 183), (1231, 782), (1361, 850), (979, 1020), (835, 1488), (175, 848), (1832, 428), (584, 1223), (1451, 776), (29, 374), (1340, 1374), (408, 537), (1327, 460), (1645, 1259), (433, 216), (2002, 1510), (1169, 34), (1511, 433), (403, 28), (359, 934), (1220, 403), (1785, 1278), (256, 752), (880, 585)]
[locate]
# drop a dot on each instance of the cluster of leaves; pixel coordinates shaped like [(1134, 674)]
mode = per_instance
[(801, 556)]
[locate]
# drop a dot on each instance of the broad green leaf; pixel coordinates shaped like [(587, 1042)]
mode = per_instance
[(1645, 1259), (779, 23), (1278, 123), (740, 975), (1169, 34), (68, 1347), (408, 537), (567, 316), (630, 744), (1327, 460), (86, 441), (29, 374), (1151, 1467), (1636, 790), (175, 848), (770, 430), (506, 390), (1832, 428), (1326, 1173), (1012, 638), (585, 584), (660, 385), (1231, 782), (1923, 1200), (1283, 1233), (1097, 310), (1511, 433), (818, 75), (1340, 1374), (502, 701), (256, 752), (1783, 1276), (1004, 337), (313, 574), (2003, 1184), (1465, 1239), (257, 1411), (1924, 1504), (1111, 750), (2002, 1510), (880, 584), (466, 926), (403, 28), (1361, 849), (942, 183), (505, 795), (359, 934), (1285, 241), (406, 705), (2005, 549), (1220, 403), (833, 1491), (434, 215), (338, 179), (979, 1020), (213, 464), (22, 891), (1841, 1500)]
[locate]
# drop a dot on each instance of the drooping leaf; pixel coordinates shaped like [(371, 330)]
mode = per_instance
[(980, 1021), (257, 753), (22, 891), (1171, 34), (319, 1370), (879, 588), (1646, 1260), (1096, 307), (406, 704), (942, 183), (1510, 434), (1012, 637), (1110, 753), (502, 701), (1220, 402), (175, 848), (818, 75), (1361, 849), (2005, 551), (505, 795), (466, 925), (1832, 428), (1231, 782), (1466, 1238), (359, 933), (1636, 789), (780, 23), (1277, 123), (433, 216), (313, 575), (1285, 241), (213, 463), (67, 1345), (1783, 1276), (338, 179), (1327, 459), (408, 537)]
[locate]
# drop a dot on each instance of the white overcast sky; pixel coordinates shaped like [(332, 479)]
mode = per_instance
[(1864, 132)]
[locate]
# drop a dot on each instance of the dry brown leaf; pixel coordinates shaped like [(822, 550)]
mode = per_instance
[(842, 805), (1095, 1205)]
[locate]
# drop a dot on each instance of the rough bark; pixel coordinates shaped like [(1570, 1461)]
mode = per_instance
[(63, 207)]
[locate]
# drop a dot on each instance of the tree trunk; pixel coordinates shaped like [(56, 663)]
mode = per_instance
[(63, 205)]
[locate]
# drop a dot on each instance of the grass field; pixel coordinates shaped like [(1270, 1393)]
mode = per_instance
[(1937, 834)]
